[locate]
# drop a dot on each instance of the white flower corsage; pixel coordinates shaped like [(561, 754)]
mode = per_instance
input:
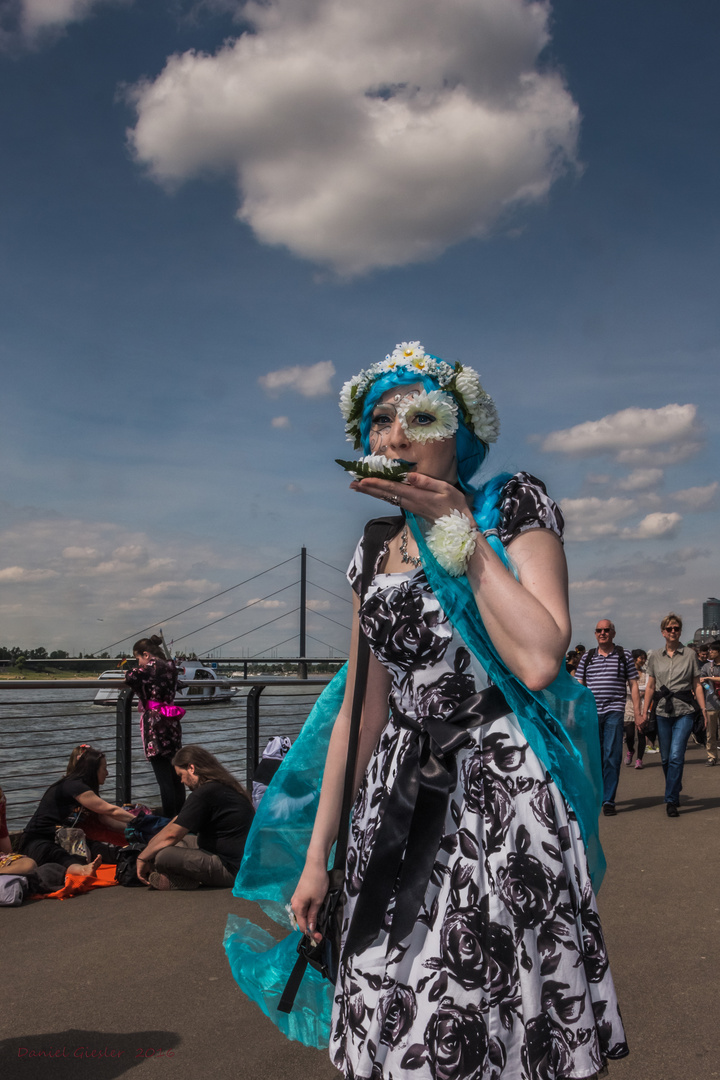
[(452, 541), (376, 466), (439, 408)]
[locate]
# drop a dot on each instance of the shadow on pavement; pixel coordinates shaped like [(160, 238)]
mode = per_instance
[(62, 1055)]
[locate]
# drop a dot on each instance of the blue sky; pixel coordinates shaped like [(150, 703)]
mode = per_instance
[(568, 250)]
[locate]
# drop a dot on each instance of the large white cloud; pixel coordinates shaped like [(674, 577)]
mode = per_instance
[(629, 429), (367, 134)]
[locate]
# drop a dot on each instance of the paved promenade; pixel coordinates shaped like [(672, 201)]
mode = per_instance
[(127, 971)]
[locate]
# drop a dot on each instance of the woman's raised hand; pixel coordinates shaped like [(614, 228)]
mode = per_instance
[(421, 495), (308, 896)]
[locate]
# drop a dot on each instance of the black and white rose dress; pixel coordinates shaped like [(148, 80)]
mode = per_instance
[(505, 974)]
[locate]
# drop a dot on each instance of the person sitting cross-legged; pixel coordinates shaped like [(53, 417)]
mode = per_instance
[(218, 812)]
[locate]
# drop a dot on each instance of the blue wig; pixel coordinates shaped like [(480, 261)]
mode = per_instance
[(471, 452)]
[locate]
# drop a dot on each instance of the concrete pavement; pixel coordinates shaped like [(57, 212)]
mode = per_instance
[(127, 971)]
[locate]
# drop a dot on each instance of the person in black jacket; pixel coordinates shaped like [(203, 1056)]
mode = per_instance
[(154, 681)]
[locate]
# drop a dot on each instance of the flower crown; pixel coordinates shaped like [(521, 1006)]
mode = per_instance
[(476, 407)]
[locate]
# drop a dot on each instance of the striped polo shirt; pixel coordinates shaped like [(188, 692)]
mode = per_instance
[(607, 677)]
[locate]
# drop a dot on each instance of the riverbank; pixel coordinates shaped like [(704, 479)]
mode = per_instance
[(33, 676)]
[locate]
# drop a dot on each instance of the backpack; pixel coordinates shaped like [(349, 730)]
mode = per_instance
[(13, 889), (621, 659)]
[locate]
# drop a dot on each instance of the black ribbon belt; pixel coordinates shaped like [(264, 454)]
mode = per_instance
[(411, 830)]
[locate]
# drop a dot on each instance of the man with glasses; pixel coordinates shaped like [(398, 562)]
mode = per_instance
[(606, 671), (673, 678)]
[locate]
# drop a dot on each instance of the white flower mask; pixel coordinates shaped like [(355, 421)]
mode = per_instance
[(428, 415)]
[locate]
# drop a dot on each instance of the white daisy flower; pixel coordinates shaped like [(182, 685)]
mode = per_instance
[(346, 397), (432, 403)]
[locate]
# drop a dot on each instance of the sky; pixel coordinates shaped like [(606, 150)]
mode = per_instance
[(214, 213)]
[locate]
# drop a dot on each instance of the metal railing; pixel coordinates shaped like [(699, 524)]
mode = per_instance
[(38, 731)]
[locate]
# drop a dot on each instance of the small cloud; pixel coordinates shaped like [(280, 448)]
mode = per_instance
[(162, 588), (280, 422), (267, 604), (591, 518), (319, 605), (696, 498), (79, 553), (640, 479), (312, 381), (591, 585), (598, 478), (626, 430), (20, 574), (40, 16), (653, 527), (675, 455), (130, 553)]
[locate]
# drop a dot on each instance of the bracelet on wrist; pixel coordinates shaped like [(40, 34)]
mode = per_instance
[(452, 541)]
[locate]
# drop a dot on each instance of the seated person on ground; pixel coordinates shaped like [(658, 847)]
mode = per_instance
[(104, 828), (218, 810), (10, 863), (81, 788)]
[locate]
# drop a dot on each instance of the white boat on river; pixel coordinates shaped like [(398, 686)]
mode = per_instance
[(195, 685)]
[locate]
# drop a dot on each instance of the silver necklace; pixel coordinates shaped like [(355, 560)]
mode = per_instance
[(406, 558)]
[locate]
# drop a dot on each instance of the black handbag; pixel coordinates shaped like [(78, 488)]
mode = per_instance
[(324, 956), (126, 867)]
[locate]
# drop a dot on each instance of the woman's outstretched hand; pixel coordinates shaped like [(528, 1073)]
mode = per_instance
[(421, 495), (308, 896)]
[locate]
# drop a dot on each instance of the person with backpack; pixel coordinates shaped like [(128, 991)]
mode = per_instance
[(607, 671)]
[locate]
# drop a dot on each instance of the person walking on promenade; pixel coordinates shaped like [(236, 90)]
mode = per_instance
[(154, 681), (710, 675), (673, 678), (472, 945), (607, 671), (632, 731)]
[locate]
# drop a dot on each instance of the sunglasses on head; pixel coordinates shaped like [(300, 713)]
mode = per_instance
[(673, 629), (604, 630)]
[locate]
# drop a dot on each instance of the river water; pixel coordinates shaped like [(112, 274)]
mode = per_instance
[(39, 728)]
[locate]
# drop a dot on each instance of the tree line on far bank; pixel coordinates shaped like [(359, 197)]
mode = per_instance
[(18, 656)]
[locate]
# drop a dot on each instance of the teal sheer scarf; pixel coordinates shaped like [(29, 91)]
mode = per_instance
[(272, 864), (560, 723)]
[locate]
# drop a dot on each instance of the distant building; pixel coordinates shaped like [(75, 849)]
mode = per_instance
[(711, 621)]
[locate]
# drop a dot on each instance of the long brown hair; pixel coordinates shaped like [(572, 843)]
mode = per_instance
[(207, 767), (86, 768)]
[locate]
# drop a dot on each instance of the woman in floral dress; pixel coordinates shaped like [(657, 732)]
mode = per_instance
[(154, 681), (472, 944)]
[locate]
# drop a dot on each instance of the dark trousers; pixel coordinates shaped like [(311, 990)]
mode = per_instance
[(171, 787), (630, 731)]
